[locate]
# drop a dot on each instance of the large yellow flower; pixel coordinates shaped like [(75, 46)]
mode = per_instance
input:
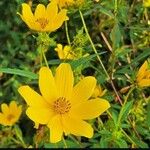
[(44, 19), (143, 75), (62, 107), (10, 114)]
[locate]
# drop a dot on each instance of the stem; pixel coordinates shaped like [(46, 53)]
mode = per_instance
[(65, 144), (18, 142), (128, 137), (92, 44), (75, 140), (42, 51), (67, 33)]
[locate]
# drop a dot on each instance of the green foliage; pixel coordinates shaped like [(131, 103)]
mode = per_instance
[(120, 32)]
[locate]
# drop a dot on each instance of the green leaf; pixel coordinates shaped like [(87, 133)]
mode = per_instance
[(121, 143), (116, 36), (83, 60), (139, 143), (19, 72), (19, 134), (125, 110), (70, 144)]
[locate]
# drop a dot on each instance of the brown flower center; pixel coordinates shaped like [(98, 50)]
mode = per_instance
[(43, 22), (10, 117), (61, 105)]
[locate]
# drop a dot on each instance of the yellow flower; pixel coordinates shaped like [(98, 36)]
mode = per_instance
[(64, 3), (146, 3), (62, 106), (98, 92), (10, 114), (64, 53), (143, 75), (44, 19)]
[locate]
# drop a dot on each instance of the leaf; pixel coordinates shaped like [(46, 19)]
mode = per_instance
[(121, 143), (70, 144), (19, 72), (83, 60), (125, 110), (115, 36), (139, 143), (18, 133)]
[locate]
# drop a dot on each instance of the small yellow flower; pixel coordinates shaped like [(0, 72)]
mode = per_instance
[(44, 19), (64, 53), (146, 3), (143, 75), (98, 92), (10, 114), (62, 106)]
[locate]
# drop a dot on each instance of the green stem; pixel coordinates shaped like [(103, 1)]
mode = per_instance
[(92, 44), (67, 33), (18, 142), (128, 137), (65, 144), (42, 51)]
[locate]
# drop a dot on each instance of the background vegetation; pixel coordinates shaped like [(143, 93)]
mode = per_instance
[(120, 31)]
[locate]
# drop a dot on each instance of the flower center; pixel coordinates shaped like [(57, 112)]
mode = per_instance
[(10, 117), (43, 22), (61, 105)]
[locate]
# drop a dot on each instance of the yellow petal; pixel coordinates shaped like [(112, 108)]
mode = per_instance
[(5, 109), (64, 80), (141, 72), (56, 130), (59, 50), (47, 84), (27, 16), (26, 12), (41, 115), (77, 127), (40, 11), (144, 83), (2, 119), (59, 19), (90, 109), (31, 97), (14, 109), (83, 90), (51, 10)]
